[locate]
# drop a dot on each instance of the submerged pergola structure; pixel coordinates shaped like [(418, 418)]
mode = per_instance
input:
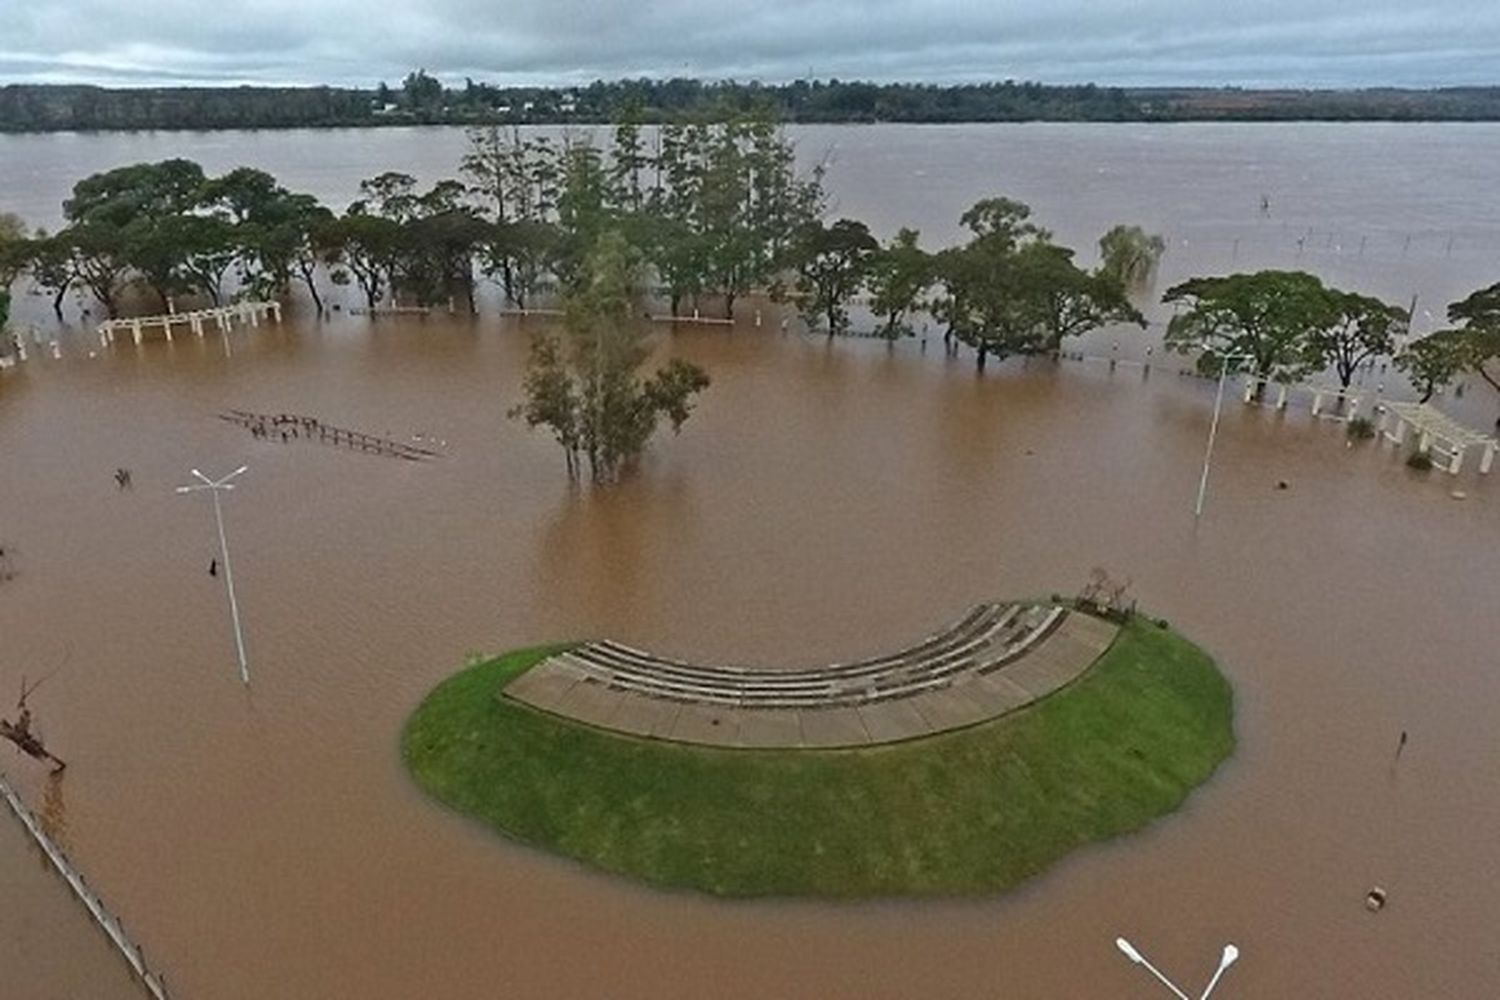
[(1345, 400), (222, 317), (1438, 435)]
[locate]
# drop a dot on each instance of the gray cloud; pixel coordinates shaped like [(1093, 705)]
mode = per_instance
[(1249, 42)]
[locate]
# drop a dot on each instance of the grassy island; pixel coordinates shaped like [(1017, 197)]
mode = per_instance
[(970, 811)]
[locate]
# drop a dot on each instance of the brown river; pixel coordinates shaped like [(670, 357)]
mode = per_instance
[(827, 500)]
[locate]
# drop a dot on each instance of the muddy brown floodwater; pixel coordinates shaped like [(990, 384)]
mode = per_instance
[(828, 499)]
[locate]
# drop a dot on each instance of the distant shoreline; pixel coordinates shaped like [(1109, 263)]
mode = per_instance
[(601, 123), (33, 108)]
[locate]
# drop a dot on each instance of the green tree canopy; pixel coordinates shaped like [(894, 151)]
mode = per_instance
[(1436, 360), (1129, 255), (1361, 329), (1270, 316), (101, 260), (1472, 346), (369, 248), (900, 273), (832, 262), (49, 261), (13, 256), (142, 191), (1070, 301), (591, 394), (1011, 290)]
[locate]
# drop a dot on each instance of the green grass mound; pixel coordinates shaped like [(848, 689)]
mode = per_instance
[(975, 810)]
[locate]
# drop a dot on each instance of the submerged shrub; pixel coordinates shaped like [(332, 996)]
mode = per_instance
[(1361, 428), (1419, 460)]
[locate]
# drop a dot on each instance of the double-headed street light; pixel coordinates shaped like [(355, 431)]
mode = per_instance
[(1213, 428), (1229, 956), (215, 487)]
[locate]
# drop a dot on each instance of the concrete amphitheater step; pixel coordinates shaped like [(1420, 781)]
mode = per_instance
[(994, 660)]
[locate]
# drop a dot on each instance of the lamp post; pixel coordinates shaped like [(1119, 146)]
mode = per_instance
[(215, 487), (1213, 428), (1228, 957)]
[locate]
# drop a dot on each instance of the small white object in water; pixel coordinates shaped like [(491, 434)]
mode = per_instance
[(1459, 495)]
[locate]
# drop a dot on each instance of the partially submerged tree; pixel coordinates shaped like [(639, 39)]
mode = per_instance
[(1434, 361), (100, 261), (49, 260), (1362, 329), (1472, 347), (552, 398), (1478, 317), (590, 394), (1070, 300), (832, 262), (1269, 316), (1129, 255), (13, 254), (899, 275), (295, 236), (977, 278), (1011, 290), (368, 247)]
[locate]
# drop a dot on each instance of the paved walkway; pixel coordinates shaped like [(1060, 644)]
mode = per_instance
[(998, 658)]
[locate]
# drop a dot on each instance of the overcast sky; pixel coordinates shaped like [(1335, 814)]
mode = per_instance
[(357, 42)]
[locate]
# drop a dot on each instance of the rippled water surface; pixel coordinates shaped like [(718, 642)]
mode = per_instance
[(827, 500)]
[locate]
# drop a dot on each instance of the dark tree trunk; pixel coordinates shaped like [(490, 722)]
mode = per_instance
[(312, 290), (508, 279), (1479, 370)]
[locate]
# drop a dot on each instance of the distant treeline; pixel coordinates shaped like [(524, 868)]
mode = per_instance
[(422, 99)]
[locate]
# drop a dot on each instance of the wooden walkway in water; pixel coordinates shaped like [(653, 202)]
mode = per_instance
[(295, 427), (994, 660)]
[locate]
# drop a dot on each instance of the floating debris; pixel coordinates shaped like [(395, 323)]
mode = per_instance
[(1375, 900)]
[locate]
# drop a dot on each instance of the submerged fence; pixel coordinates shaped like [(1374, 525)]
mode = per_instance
[(154, 982), (291, 425)]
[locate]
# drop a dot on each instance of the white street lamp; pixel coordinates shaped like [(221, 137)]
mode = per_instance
[(1229, 956), (1213, 428), (215, 487), (1139, 959)]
